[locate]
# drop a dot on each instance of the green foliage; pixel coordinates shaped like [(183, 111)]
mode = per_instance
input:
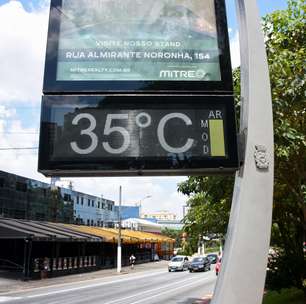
[(285, 296), (174, 234), (210, 197), (285, 43), (211, 250), (209, 202)]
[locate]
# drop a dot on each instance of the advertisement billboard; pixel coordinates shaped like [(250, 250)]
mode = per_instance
[(138, 40), (143, 45)]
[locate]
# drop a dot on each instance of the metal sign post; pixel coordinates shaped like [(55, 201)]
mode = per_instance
[(242, 277), (119, 251)]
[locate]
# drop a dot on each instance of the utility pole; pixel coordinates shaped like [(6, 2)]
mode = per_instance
[(119, 253)]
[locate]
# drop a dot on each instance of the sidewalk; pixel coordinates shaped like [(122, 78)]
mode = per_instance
[(11, 282)]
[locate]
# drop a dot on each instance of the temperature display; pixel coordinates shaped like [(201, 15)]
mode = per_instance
[(107, 132)]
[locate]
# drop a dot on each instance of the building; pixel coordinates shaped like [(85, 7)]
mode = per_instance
[(141, 225), (24, 198), (128, 212), (44, 249), (173, 225), (160, 215), (91, 210)]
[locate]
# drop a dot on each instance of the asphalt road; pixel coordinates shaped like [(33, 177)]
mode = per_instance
[(154, 286)]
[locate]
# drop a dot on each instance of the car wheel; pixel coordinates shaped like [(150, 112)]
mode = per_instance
[(190, 270)]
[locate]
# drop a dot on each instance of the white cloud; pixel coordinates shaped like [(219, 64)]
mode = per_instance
[(14, 135), (235, 50), (23, 38)]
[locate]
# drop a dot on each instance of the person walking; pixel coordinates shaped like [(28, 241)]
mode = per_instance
[(132, 261)]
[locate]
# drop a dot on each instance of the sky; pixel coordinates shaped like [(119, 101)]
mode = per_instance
[(23, 33)]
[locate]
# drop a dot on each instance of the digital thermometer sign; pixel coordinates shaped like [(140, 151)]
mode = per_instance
[(101, 135)]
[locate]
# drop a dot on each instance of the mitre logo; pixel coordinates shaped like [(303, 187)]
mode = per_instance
[(174, 74)]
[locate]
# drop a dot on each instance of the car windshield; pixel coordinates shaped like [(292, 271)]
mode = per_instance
[(197, 260), (177, 259)]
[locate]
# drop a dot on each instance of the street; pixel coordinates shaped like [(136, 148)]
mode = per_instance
[(153, 286)]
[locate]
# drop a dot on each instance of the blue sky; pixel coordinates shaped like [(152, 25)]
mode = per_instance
[(265, 7), (23, 31)]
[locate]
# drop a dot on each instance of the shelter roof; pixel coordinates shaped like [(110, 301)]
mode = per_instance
[(41, 231)]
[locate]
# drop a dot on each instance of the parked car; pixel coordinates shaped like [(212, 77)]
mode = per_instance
[(218, 266), (178, 263), (213, 258), (199, 264)]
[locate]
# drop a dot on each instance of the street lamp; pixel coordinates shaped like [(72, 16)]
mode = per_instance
[(140, 201)]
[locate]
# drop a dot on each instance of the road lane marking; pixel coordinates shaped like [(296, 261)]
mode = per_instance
[(55, 292), (7, 299), (171, 290), (150, 290), (131, 276)]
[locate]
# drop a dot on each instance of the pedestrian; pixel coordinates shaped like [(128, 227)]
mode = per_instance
[(132, 261)]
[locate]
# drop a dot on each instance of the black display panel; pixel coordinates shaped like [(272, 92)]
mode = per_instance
[(101, 46), (137, 135)]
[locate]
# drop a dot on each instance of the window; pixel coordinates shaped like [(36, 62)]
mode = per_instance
[(93, 203), (82, 200), (77, 200), (98, 204), (1, 182), (103, 206), (67, 197), (21, 187), (88, 203), (88, 222), (92, 222)]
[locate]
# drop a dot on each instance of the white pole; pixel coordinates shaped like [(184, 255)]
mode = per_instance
[(243, 269), (119, 253)]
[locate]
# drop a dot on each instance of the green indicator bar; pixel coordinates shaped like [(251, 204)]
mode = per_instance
[(216, 132)]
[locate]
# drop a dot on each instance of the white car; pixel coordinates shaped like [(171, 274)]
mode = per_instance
[(178, 263)]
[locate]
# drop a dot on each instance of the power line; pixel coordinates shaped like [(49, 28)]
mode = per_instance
[(26, 133), (17, 149)]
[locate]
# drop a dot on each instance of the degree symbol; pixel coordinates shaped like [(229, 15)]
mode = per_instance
[(143, 120)]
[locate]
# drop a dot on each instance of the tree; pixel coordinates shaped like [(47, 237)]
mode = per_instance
[(174, 234), (209, 207), (285, 42), (210, 197)]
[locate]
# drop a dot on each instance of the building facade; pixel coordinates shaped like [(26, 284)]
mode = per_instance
[(91, 210), (141, 225), (128, 212), (24, 198), (160, 215)]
